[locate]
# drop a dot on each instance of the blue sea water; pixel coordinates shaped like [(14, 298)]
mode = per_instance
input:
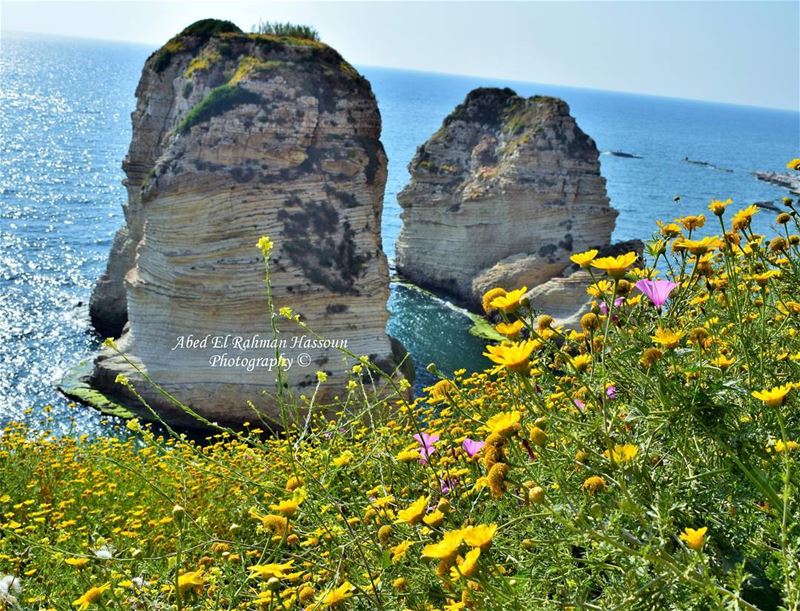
[(65, 127)]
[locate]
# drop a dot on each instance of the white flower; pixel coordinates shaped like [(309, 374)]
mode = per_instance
[(104, 553), (9, 584)]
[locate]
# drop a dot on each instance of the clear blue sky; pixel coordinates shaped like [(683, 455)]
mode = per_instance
[(729, 51)]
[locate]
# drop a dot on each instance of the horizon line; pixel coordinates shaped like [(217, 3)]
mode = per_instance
[(795, 110)]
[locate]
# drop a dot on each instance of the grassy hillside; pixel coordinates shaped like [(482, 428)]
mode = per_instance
[(648, 460)]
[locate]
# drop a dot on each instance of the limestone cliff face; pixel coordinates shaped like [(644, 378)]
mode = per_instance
[(501, 195), (236, 136)]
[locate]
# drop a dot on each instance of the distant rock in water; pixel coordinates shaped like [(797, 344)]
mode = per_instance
[(622, 154), (236, 136), (787, 181), (708, 165), (501, 195)]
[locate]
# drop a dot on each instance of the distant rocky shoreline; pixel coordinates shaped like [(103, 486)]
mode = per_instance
[(787, 181)]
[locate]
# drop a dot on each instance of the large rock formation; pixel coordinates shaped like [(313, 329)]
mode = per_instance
[(501, 195), (236, 136)]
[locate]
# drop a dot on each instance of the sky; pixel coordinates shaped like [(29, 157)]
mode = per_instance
[(731, 51)]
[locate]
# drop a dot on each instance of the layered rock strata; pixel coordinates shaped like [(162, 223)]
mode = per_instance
[(236, 136), (501, 195)]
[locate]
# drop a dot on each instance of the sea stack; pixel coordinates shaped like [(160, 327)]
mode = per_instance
[(236, 136), (501, 195)]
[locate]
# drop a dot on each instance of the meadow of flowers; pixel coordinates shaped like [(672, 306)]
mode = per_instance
[(648, 460)]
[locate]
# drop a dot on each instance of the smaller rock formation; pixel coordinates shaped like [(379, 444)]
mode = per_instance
[(501, 195)]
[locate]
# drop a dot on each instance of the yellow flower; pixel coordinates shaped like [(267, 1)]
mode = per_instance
[(441, 390), (274, 523), (584, 258), (741, 220), (287, 507), (669, 230), (694, 538), (699, 247), (447, 548), (268, 571), (692, 222), (509, 329), (722, 361), (615, 266), (794, 164), (91, 596), (344, 459), (490, 296), (399, 551), (600, 288), (265, 245), (496, 478), (509, 301), (414, 512), (479, 536), (582, 362), (622, 453), (538, 436), (780, 446), (292, 483), (466, 566), (667, 338), (512, 356), (718, 206), (504, 424), (410, 455), (194, 580), (595, 484), (773, 397), (434, 519), (339, 595), (78, 563)]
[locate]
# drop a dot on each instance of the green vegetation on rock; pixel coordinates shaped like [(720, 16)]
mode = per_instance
[(203, 62), (287, 29), (203, 29), (206, 28), (219, 100)]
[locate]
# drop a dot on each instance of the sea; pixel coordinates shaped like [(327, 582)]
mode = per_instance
[(65, 127)]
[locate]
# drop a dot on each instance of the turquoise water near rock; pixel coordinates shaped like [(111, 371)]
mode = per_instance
[(65, 127)]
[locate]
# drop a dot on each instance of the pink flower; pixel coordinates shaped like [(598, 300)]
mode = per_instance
[(426, 446), (617, 303), (611, 391), (447, 485), (656, 291), (472, 447)]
